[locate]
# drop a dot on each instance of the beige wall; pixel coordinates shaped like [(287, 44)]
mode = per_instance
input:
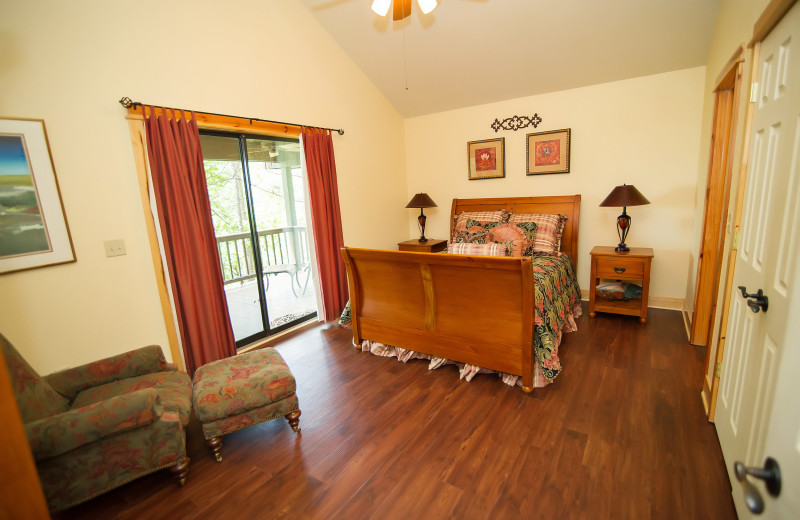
[(734, 27), (69, 62), (643, 131)]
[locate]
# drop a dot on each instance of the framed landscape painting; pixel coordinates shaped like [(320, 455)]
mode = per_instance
[(548, 152), (33, 227), (486, 159)]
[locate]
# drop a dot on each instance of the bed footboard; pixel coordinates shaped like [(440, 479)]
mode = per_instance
[(471, 309)]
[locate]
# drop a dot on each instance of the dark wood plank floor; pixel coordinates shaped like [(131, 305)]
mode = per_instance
[(621, 434)]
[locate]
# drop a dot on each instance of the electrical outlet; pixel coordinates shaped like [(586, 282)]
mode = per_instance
[(115, 247)]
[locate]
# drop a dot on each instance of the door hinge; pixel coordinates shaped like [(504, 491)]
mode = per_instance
[(735, 246), (754, 92), (717, 369)]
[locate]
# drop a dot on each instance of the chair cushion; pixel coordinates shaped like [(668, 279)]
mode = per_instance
[(36, 399), (174, 390), (240, 383)]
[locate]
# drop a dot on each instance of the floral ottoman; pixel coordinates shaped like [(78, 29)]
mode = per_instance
[(243, 390)]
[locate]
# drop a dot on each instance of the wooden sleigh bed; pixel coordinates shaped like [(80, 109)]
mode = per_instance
[(477, 310)]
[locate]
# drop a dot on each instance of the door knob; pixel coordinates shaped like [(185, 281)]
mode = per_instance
[(770, 474), (756, 301)]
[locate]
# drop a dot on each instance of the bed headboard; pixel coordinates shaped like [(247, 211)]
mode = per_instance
[(569, 205)]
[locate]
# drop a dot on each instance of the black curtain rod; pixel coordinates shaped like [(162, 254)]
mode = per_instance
[(128, 103)]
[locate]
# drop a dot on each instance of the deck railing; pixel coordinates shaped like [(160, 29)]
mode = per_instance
[(283, 250)]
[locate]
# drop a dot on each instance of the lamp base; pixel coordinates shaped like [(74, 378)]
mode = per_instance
[(623, 226), (421, 219), (423, 239)]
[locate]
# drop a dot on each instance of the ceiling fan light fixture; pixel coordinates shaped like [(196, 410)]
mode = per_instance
[(381, 7), (426, 5)]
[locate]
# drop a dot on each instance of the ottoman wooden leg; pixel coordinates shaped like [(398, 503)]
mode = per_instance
[(180, 470), (215, 445), (294, 420)]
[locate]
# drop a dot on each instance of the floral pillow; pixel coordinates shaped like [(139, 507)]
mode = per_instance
[(472, 226), (491, 249), (518, 237), (549, 229)]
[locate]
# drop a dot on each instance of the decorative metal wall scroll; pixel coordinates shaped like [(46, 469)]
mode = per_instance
[(516, 122)]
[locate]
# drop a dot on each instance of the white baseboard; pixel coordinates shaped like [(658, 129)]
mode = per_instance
[(687, 322)]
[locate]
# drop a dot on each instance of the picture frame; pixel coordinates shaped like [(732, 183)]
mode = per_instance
[(548, 152), (33, 225), (486, 159)]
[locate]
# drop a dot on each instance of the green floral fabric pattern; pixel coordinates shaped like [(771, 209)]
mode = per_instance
[(518, 237), (558, 302), (95, 468), (108, 435), (248, 418), (35, 398), (137, 362), (241, 385), (174, 391), (52, 436), (475, 232), (345, 318)]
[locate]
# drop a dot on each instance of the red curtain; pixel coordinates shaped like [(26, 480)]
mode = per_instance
[(326, 220), (179, 182)]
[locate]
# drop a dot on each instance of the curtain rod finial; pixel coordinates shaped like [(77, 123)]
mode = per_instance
[(128, 102)]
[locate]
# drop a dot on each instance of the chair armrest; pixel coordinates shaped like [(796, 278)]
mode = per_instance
[(58, 434), (72, 381)]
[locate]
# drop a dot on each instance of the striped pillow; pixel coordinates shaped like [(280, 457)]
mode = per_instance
[(549, 229), (492, 249)]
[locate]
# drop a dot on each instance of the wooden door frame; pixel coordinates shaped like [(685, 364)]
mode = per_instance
[(205, 121), (769, 18), (720, 168), (711, 386)]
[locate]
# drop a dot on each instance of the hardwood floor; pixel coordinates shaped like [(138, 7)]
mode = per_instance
[(621, 434)]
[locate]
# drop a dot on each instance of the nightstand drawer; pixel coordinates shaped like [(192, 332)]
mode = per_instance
[(620, 268)]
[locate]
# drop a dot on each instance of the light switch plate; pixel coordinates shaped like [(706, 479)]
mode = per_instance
[(115, 247)]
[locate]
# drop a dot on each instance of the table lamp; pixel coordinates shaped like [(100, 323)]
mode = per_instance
[(624, 196), (421, 200)]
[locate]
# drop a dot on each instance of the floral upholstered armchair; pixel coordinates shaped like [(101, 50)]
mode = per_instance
[(98, 426)]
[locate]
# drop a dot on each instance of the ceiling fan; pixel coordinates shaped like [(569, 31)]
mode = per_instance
[(401, 8)]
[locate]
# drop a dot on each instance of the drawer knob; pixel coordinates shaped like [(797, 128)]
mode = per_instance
[(619, 270)]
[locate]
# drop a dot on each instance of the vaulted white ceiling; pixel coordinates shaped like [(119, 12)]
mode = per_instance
[(470, 52)]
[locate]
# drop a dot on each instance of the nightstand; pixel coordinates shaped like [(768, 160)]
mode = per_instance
[(630, 266), (433, 245)]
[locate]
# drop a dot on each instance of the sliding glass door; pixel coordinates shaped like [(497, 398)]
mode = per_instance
[(258, 206)]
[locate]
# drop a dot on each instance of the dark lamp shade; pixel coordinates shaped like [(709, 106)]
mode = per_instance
[(421, 200), (625, 195)]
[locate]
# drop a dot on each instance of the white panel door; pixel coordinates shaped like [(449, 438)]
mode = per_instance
[(757, 402)]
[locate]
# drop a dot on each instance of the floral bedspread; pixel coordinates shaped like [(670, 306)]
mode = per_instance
[(557, 300), (557, 306)]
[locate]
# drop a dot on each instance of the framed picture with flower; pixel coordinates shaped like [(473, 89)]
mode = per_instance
[(548, 152), (486, 159)]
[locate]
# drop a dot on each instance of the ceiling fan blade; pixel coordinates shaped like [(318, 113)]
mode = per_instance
[(401, 9)]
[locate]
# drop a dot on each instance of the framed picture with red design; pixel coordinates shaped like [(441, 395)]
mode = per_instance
[(548, 152), (486, 159)]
